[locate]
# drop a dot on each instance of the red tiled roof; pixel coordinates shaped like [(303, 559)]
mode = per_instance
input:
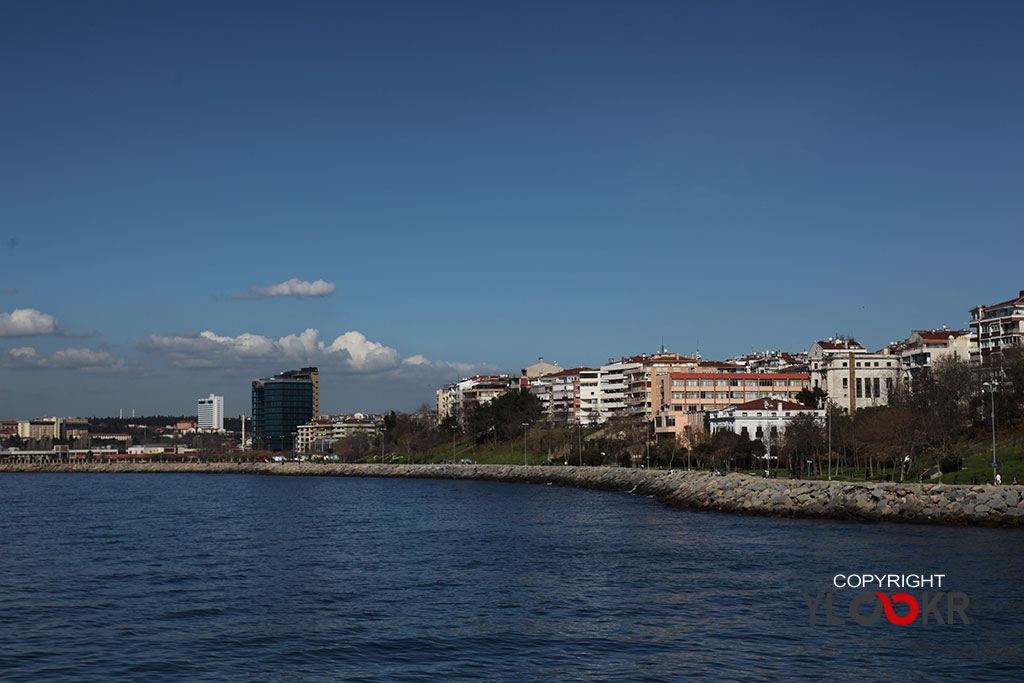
[(840, 345), (941, 335), (1015, 300), (718, 364), (567, 373)]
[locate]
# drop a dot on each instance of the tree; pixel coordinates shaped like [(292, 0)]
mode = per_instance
[(504, 416), (802, 440), (812, 398)]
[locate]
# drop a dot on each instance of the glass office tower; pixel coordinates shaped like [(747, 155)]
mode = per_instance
[(279, 405)]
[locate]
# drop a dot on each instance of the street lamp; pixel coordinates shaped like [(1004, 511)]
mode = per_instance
[(828, 415), (455, 430), (525, 425), (647, 438), (581, 443), (992, 390)]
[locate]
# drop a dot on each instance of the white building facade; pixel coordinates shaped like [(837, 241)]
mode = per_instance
[(211, 412), (997, 328), (763, 419)]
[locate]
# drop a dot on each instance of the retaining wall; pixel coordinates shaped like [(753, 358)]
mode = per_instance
[(928, 503)]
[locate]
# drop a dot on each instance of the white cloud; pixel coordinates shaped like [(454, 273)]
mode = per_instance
[(27, 322), (295, 287), (82, 360), (350, 352)]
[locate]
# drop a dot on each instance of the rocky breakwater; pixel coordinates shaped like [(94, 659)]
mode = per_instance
[(736, 493)]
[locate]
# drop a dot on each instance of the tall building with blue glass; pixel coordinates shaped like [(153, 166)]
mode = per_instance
[(280, 404)]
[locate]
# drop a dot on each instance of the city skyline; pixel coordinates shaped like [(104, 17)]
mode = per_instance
[(195, 197)]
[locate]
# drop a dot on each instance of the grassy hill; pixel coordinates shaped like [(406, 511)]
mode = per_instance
[(977, 456)]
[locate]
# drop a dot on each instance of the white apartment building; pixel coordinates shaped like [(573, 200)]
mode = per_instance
[(997, 328), (590, 397), (852, 377), (211, 412), (625, 387), (765, 419)]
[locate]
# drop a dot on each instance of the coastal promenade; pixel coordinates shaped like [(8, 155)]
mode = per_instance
[(737, 493)]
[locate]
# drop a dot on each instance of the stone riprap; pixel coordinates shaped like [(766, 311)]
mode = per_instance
[(929, 503)]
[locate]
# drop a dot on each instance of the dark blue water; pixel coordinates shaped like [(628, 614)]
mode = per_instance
[(162, 577)]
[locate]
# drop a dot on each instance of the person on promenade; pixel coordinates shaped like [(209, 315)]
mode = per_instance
[(999, 479)]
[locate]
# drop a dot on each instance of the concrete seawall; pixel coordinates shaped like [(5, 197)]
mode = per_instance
[(929, 504)]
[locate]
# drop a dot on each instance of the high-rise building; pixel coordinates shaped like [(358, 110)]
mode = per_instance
[(280, 404), (211, 412)]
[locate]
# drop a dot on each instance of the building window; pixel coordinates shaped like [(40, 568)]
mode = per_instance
[(877, 393), (859, 394), (845, 383), (888, 385)]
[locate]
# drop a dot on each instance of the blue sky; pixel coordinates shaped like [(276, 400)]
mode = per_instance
[(485, 183)]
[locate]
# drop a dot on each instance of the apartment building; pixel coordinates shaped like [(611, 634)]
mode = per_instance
[(997, 328), (625, 386), (590, 397), (683, 399), (852, 377), (921, 350), (320, 434), (559, 395), (459, 397), (771, 361)]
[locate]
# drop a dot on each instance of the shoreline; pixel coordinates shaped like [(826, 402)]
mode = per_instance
[(983, 505)]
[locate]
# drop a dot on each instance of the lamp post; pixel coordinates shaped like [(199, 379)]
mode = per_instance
[(992, 390), (525, 425), (828, 415), (454, 432), (647, 438), (581, 444)]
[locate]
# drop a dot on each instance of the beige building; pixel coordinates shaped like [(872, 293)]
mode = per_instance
[(53, 428), (923, 348), (852, 377), (540, 368)]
